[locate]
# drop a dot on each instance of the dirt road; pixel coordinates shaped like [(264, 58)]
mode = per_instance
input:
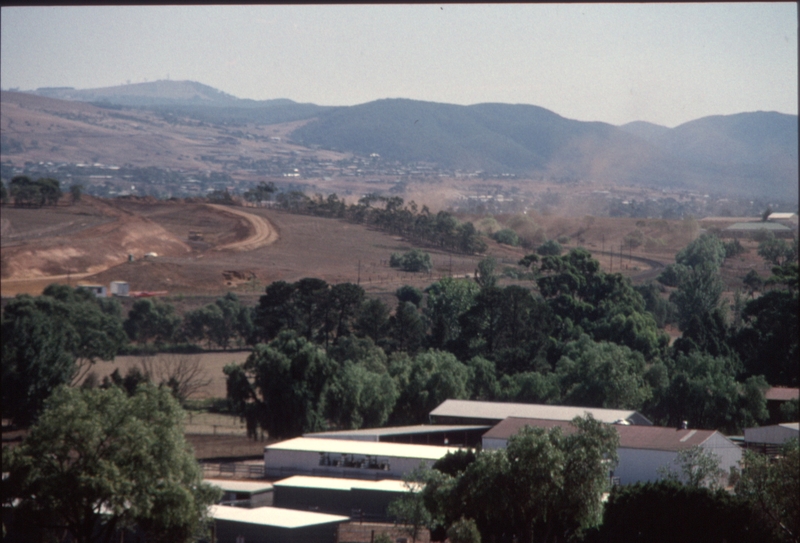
[(265, 234)]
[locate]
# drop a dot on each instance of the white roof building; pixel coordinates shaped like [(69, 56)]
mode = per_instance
[(474, 412), (347, 458)]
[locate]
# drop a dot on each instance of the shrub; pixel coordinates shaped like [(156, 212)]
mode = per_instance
[(412, 261)]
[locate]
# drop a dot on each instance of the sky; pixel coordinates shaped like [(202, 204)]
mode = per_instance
[(665, 63)]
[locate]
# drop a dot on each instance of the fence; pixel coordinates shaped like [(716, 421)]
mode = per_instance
[(236, 470)]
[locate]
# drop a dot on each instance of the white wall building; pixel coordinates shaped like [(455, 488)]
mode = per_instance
[(642, 450), (347, 458)]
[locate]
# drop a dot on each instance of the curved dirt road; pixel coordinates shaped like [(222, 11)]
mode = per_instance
[(265, 233)]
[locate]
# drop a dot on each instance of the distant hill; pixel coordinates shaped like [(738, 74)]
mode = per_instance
[(752, 153), (190, 99), (746, 154)]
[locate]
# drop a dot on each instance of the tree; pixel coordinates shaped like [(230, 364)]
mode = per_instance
[(464, 530), (549, 248), (447, 300), (410, 508), (358, 397), (506, 236), (53, 339), (98, 461), (668, 511), (151, 320), (697, 467), (263, 191), (36, 356), (282, 386), (485, 273), (602, 375), (775, 251), (547, 485), (771, 487), (412, 261), (426, 381), (75, 191), (707, 250), (183, 374), (407, 293)]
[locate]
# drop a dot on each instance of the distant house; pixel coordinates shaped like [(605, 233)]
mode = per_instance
[(750, 229), (98, 290), (235, 524), (347, 458), (119, 288), (642, 450), (777, 397), (358, 499), (474, 412)]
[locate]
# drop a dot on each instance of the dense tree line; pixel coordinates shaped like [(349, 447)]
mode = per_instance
[(392, 214), (576, 336), (29, 193)]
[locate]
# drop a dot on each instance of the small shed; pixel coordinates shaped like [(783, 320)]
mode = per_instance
[(642, 450), (776, 398), (248, 494), (235, 524), (475, 412), (770, 439), (348, 459), (119, 288), (361, 500)]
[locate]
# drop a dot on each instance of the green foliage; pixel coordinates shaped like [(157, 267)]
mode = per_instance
[(152, 320), (703, 390), (263, 191), (767, 343), (602, 375), (75, 192), (734, 248), (447, 300), (29, 193), (407, 293), (485, 273), (697, 467), (547, 485), (219, 323), (360, 397), (771, 486), (464, 531), (282, 386), (426, 381), (412, 261), (506, 236), (409, 509), (777, 251), (667, 511), (705, 251), (53, 339), (97, 461), (672, 275), (549, 248)]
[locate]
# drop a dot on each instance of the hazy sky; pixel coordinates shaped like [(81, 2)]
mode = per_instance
[(663, 63)]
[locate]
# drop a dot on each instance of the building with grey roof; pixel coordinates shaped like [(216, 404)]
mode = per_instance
[(247, 494), (359, 499), (475, 412), (749, 229), (642, 451), (235, 524), (770, 439), (420, 434)]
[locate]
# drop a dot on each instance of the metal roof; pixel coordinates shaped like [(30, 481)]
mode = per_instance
[(782, 393), (239, 486), (760, 225), (332, 483), (630, 437), (499, 411), (399, 430), (371, 448), (272, 516)]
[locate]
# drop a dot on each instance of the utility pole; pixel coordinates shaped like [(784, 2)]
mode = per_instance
[(358, 282)]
